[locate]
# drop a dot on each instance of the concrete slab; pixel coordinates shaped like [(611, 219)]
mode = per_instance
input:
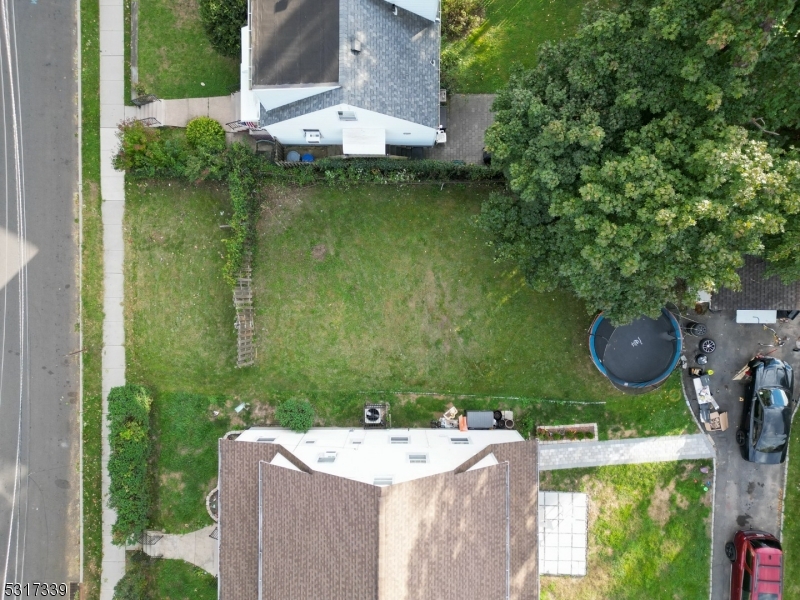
[(113, 212), (113, 311), (111, 115), (114, 285), (114, 376), (113, 336), (111, 69), (111, 43), (112, 91), (112, 18), (108, 173), (196, 547), (113, 260), (113, 356)]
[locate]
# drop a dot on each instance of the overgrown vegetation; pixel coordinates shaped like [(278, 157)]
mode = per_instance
[(294, 414), (91, 300), (649, 530), (129, 439), (461, 17), (163, 579), (790, 536)]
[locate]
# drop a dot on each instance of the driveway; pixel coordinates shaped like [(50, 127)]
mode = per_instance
[(747, 495)]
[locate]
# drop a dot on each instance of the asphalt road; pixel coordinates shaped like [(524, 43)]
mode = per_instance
[(748, 496), (39, 380)]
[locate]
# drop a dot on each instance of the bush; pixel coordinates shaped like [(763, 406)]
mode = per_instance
[(134, 584), (297, 415), (461, 17), (223, 21), (148, 152), (129, 438), (204, 133)]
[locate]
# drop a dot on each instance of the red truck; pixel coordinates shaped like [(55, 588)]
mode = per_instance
[(757, 570)]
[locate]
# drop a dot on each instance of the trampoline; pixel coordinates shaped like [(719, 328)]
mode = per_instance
[(639, 356)]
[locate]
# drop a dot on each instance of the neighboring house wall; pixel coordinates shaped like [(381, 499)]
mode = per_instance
[(398, 131)]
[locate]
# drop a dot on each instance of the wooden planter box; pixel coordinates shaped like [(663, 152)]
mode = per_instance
[(561, 434)]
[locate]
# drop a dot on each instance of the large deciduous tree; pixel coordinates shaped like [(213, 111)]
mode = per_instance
[(640, 156)]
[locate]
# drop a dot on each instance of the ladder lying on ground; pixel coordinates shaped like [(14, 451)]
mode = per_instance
[(245, 328)]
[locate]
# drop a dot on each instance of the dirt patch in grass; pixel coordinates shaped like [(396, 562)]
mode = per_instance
[(279, 204), (659, 509), (186, 12), (319, 252), (173, 480)]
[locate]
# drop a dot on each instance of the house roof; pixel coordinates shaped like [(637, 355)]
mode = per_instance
[(453, 535), (396, 73), (295, 41), (758, 292)]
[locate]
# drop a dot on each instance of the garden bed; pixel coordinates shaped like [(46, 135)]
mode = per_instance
[(560, 434)]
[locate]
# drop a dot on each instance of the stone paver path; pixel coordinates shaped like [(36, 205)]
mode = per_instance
[(197, 547), (574, 455), (468, 118)]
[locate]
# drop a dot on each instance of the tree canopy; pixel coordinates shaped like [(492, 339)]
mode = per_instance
[(641, 153)]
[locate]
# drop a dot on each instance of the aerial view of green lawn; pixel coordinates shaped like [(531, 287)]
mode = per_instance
[(649, 532), (511, 33)]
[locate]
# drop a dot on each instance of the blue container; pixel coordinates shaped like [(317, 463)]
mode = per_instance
[(307, 157)]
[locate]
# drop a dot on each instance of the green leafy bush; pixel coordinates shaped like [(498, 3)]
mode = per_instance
[(147, 152), (461, 17), (204, 133), (134, 585), (223, 21), (129, 438), (297, 415)]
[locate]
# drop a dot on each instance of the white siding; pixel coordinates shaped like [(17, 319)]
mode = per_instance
[(427, 9), (398, 131)]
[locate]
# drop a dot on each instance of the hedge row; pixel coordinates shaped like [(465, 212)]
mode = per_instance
[(129, 438)]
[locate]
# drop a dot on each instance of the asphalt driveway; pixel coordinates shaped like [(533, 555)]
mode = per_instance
[(747, 495)]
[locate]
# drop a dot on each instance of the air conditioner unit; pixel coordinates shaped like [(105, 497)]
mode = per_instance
[(376, 416), (313, 136)]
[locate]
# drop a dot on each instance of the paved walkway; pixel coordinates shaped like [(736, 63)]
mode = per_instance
[(574, 455), (197, 547), (112, 190), (177, 113), (468, 118)]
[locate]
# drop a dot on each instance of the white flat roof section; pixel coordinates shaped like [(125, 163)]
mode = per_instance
[(562, 533), (364, 141), (757, 316), (369, 454)]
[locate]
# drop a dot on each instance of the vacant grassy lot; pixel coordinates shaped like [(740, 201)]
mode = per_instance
[(175, 57), (648, 532), (512, 32), (372, 293), (791, 524)]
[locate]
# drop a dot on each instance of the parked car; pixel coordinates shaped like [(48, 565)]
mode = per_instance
[(764, 433), (757, 571)]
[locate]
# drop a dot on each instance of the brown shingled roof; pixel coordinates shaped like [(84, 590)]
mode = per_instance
[(450, 536), (758, 292)]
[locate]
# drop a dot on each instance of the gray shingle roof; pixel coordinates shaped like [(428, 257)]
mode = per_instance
[(450, 536), (392, 74), (757, 292)]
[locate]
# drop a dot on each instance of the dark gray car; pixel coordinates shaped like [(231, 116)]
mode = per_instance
[(764, 432)]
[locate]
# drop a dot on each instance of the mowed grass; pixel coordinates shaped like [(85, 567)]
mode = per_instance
[(170, 579), (512, 32), (175, 56), (649, 530)]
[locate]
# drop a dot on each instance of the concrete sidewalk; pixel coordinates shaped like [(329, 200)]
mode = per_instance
[(112, 191), (574, 455), (197, 547), (177, 113)]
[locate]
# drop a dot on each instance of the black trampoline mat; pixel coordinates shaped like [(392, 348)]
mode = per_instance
[(641, 351)]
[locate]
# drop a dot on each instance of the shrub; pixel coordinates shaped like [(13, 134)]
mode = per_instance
[(461, 17), (242, 185), (297, 415), (129, 438), (148, 152), (204, 133), (134, 584), (223, 21)]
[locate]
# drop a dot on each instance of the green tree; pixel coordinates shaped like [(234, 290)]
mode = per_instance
[(635, 180), (223, 21)]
